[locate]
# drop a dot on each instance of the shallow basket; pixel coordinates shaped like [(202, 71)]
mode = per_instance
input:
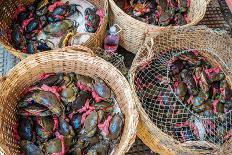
[(76, 59), (217, 48), (134, 31), (8, 8)]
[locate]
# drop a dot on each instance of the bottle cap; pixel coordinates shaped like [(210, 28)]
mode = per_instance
[(112, 30)]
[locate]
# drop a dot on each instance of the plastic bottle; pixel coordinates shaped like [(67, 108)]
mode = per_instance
[(111, 40)]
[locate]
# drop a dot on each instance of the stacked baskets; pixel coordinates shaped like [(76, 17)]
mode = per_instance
[(9, 7), (82, 61)]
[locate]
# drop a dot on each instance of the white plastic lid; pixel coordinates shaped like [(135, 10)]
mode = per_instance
[(112, 30)]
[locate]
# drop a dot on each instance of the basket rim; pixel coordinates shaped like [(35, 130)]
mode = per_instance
[(132, 118), (100, 30), (147, 126)]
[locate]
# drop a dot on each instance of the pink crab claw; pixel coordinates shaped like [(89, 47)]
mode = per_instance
[(58, 135), (53, 89), (45, 75), (52, 7), (101, 14), (83, 118), (215, 103), (212, 70), (190, 99), (229, 134), (209, 126), (96, 97), (83, 87), (183, 124), (145, 65), (161, 101), (31, 89), (19, 10), (182, 136), (86, 107), (186, 18), (56, 123), (26, 22), (104, 127)]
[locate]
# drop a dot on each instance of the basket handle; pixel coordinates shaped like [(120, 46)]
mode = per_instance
[(79, 48)]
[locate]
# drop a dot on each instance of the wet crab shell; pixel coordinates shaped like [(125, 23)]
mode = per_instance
[(64, 128), (90, 124), (25, 128), (58, 29), (102, 89), (49, 100), (101, 148), (58, 145), (115, 128), (28, 148)]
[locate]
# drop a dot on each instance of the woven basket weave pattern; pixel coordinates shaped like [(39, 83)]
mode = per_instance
[(199, 38), (134, 31), (64, 60), (9, 7)]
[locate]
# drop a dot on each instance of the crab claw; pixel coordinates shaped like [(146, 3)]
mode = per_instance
[(53, 89), (45, 75), (229, 134), (86, 107), (101, 14), (83, 87), (52, 7), (104, 127), (61, 137), (31, 89), (215, 103), (85, 115), (26, 22), (190, 99), (96, 97), (56, 123)]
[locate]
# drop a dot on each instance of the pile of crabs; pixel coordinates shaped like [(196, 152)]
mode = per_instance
[(44, 25), (204, 90), (68, 113), (158, 12)]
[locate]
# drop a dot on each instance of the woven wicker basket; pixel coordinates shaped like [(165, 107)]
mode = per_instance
[(77, 59), (134, 31), (8, 9), (202, 39)]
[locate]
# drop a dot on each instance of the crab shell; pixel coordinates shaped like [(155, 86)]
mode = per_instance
[(58, 29), (49, 100)]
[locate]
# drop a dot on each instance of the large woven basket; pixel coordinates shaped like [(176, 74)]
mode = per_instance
[(134, 31), (76, 59), (217, 47), (8, 8)]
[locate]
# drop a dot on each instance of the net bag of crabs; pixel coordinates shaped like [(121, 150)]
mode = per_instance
[(45, 25), (68, 113), (183, 87)]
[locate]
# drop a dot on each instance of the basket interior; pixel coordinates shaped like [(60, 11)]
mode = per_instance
[(8, 10), (196, 12), (26, 72), (152, 62)]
